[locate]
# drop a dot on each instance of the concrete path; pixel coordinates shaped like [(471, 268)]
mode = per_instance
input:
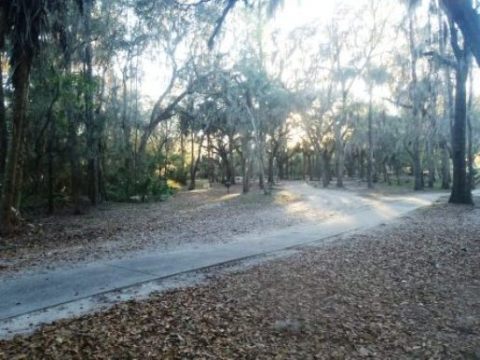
[(31, 292)]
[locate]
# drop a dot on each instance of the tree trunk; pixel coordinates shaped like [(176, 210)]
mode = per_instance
[(326, 168), (280, 169), (3, 125), (339, 152), (245, 174), (448, 114), (270, 169), (417, 166), (414, 96), (445, 165), (193, 171), (193, 178), (310, 167), (471, 170), (398, 170), (195, 161), (50, 149), (127, 133), (386, 176), (466, 17), (430, 163), (3, 118), (361, 164), (370, 142), (211, 165), (287, 168), (470, 155), (92, 136), (182, 159), (460, 190), (20, 82)]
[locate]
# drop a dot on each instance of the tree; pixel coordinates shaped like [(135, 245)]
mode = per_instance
[(375, 76), (25, 20), (415, 97), (463, 14), (461, 192)]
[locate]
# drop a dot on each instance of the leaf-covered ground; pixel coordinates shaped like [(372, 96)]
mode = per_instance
[(406, 290), (114, 230)]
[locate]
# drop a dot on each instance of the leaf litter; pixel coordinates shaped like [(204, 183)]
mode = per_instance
[(409, 289)]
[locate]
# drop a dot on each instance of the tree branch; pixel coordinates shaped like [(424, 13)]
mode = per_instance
[(462, 13), (220, 21), (442, 60)]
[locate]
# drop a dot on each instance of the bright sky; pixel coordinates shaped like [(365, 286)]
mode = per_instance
[(293, 14)]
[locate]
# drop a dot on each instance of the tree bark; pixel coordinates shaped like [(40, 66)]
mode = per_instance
[(20, 81), (370, 142), (467, 19), (447, 112), (127, 134), (326, 157), (430, 162), (461, 193), (415, 154), (270, 169), (195, 160), (3, 126), (3, 118), (183, 177), (471, 170), (470, 155), (245, 156), (339, 145), (91, 131), (51, 176), (445, 165)]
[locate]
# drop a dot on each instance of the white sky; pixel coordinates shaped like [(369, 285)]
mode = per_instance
[(293, 14)]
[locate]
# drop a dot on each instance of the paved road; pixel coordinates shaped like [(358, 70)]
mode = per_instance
[(29, 292)]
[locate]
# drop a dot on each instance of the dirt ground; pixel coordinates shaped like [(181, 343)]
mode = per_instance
[(410, 289), (114, 230)]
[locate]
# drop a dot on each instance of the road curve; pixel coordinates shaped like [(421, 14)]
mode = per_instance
[(25, 299)]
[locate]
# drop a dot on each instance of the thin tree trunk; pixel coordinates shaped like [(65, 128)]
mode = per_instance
[(259, 146), (470, 155), (245, 166), (471, 170), (339, 146), (20, 81), (370, 142), (127, 130), (430, 163), (326, 168), (92, 136), (414, 96), (195, 161), (3, 125), (211, 165), (193, 171), (304, 166), (361, 164), (447, 116), (310, 169), (287, 168), (50, 149), (445, 165), (270, 169), (245, 175), (3, 118)]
